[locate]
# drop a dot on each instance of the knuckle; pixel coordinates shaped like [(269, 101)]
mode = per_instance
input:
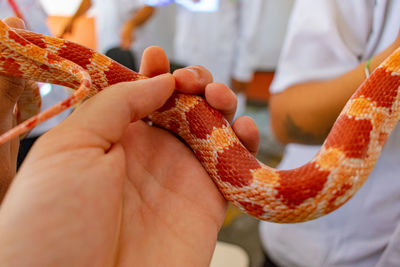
[(10, 90)]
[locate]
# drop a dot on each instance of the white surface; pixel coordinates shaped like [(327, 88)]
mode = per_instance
[(229, 255), (271, 32), (60, 7)]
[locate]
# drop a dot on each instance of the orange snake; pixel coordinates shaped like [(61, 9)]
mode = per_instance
[(322, 185)]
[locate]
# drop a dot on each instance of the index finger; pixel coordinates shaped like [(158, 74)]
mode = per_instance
[(154, 62)]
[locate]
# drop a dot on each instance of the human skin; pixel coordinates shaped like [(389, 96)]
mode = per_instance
[(10, 90), (104, 188), (84, 6), (304, 113)]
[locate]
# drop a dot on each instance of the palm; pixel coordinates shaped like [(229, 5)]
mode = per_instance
[(171, 197), (147, 193)]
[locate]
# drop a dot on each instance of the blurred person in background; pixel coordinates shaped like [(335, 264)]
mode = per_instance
[(35, 18), (221, 40), (117, 22), (323, 61)]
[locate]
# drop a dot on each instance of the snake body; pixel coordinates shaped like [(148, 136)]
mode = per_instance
[(332, 177)]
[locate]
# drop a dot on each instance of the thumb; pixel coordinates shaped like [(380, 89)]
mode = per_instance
[(104, 118)]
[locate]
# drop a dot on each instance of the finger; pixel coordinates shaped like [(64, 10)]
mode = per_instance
[(102, 120), (15, 22), (10, 90), (10, 87), (154, 62), (220, 97), (247, 131), (29, 102), (192, 79)]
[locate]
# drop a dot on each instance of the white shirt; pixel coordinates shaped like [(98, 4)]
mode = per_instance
[(221, 41), (159, 30), (32, 11), (36, 20), (325, 41), (110, 15)]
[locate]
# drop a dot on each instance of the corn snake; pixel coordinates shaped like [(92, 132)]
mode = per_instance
[(322, 185)]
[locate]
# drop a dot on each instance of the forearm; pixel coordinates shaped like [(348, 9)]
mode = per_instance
[(140, 17), (304, 113), (82, 9)]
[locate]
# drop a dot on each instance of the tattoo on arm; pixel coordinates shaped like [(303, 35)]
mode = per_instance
[(298, 135)]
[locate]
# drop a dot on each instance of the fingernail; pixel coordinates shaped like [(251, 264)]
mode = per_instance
[(195, 70)]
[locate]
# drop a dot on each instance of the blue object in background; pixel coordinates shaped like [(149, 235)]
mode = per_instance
[(201, 6), (158, 2)]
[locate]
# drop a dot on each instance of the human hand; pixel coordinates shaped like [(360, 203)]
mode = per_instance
[(104, 188), (10, 91)]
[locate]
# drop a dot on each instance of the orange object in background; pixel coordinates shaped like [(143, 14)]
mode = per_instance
[(84, 30), (258, 89)]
